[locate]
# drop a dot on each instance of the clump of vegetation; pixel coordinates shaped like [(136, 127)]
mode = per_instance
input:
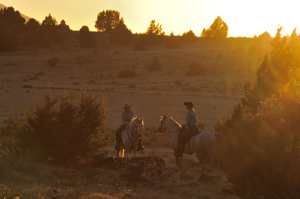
[(27, 86), (264, 127), (217, 30), (188, 37), (53, 61), (62, 128), (196, 69), (86, 38), (127, 73), (107, 20), (154, 65), (178, 82), (6, 192)]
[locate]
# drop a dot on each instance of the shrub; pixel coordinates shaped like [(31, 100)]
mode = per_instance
[(178, 82), (86, 38), (6, 192), (127, 73), (188, 37), (62, 128), (53, 61), (154, 66), (10, 132), (259, 149), (196, 69), (67, 128)]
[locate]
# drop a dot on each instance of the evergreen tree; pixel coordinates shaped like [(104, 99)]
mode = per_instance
[(12, 20), (107, 20), (217, 30), (49, 21)]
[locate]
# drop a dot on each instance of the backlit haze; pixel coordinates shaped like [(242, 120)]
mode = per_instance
[(244, 18)]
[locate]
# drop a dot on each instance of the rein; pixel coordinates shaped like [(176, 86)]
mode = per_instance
[(163, 125)]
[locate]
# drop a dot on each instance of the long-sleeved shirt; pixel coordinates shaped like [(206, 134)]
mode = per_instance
[(127, 116), (191, 118)]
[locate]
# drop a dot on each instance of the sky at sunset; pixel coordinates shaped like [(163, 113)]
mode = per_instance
[(243, 17)]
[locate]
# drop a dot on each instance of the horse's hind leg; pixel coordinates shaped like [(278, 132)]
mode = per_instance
[(179, 160), (121, 153)]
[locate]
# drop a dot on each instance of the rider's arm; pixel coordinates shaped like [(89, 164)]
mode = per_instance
[(124, 122)]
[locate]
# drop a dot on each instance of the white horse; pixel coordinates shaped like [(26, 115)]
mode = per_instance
[(202, 142), (130, 136)]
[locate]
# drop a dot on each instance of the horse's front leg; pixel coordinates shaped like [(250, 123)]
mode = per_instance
[(178, 159), (126, 152), (135, 149)]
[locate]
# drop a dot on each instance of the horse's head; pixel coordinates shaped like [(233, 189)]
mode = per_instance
[(162, 126), (138, 126)]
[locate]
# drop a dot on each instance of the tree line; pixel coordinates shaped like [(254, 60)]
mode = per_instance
[(13, 24)]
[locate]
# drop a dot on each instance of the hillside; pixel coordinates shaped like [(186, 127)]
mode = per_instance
[(26, 74)]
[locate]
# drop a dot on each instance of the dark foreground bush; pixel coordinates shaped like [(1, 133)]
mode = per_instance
[(259, 146), (61, 128)]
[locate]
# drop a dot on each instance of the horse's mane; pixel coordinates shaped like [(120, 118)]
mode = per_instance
[(129, 126), (171, 118)]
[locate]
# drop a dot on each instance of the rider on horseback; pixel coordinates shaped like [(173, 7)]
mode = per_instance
[(126, 116), (188, 128)]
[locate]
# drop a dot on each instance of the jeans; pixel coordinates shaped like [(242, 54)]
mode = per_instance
[(118, 134), (184, 138)]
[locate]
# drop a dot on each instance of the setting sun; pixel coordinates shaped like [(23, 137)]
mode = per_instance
[(244, 18)]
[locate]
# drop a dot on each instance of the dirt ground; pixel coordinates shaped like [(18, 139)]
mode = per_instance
[(25, 75)]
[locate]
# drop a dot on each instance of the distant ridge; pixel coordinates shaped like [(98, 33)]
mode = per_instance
[(24, 16)]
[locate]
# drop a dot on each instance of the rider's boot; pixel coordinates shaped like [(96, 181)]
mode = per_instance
[(118, 143)]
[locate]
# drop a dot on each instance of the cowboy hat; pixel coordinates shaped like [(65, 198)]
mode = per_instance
[(127, 106), (189, 104)]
